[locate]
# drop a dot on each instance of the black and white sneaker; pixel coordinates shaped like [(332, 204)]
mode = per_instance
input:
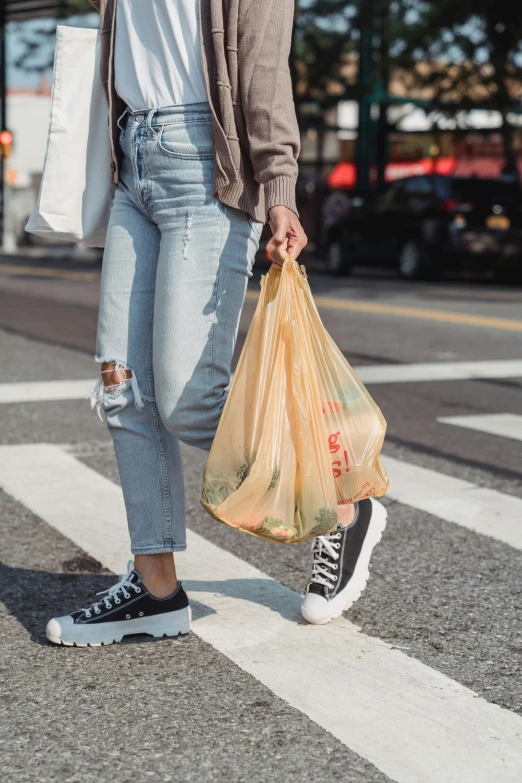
[(126, 608), (341, 559)]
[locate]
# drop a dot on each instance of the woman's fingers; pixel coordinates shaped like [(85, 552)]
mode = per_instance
[(297, 244), (278, 245), (288, 235), (278, 251)]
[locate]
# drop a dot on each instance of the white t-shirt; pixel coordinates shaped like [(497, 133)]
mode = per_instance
[(157, 56)]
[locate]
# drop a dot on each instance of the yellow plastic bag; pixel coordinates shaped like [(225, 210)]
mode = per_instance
[(299, 433)]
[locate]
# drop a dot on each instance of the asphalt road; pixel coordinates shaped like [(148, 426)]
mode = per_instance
[(442, 592)]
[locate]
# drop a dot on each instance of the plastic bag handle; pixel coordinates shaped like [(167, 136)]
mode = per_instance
[(290, 259)]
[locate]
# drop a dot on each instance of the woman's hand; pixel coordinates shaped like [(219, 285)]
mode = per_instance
[(288, 235)]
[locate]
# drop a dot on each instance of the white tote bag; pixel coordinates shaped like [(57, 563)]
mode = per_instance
[(76, 193)]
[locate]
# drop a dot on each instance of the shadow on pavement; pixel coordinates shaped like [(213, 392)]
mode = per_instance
[(263, 592), (33, 597)]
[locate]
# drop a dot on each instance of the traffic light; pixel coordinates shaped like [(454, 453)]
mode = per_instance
[(6, 142)]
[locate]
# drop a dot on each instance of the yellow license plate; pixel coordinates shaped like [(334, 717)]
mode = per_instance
[(498, 222)]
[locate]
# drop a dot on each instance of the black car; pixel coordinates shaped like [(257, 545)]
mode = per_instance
[(427, 225)]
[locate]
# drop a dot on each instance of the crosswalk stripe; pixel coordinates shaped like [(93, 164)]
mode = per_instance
[(41, 391), (439, 371), (482, 510), (410, 721), (44, 391), (506, 425)]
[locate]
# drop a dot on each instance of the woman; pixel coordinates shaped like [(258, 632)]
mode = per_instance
[(204, 146)]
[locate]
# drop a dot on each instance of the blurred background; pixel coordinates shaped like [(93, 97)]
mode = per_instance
[(411, 119)]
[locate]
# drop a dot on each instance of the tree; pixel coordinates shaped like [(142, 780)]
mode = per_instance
[(466, 54), (36, 40), (324, 39), (459, 54)]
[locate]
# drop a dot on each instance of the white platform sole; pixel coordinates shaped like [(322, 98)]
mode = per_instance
[(168, 624), (327, 610)]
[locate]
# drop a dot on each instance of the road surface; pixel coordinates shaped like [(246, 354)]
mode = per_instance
[(421, 682)]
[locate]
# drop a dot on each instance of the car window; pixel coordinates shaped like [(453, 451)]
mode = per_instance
[(443, 186), (418, 186), (485, 192), (392, 194)]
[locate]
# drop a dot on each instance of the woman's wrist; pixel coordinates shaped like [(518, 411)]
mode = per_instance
[(280, 191)]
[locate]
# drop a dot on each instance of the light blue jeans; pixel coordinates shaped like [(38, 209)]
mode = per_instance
[(174, 278)]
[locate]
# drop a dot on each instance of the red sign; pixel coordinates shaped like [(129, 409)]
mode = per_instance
[(344, 175)]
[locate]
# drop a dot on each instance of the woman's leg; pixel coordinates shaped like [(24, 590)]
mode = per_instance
[(175, 274), (148, 455), (146, 599)]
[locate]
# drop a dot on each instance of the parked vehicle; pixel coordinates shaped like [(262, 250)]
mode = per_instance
[(428, 225)]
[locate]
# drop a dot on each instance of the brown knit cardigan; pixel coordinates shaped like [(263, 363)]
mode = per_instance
[(245, 45)]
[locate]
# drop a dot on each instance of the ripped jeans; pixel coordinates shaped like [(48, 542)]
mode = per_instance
[(175, 272)]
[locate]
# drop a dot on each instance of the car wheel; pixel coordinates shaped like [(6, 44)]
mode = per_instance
[(410, 261), (337, 262), (415, 264)]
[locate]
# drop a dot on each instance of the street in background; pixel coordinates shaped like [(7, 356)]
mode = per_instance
[(426, 226)]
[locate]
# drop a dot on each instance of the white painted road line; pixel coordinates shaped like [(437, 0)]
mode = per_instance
[(44, 391), (438, 371), (506, 425), (482, 510), (410, 721), (69, 500)]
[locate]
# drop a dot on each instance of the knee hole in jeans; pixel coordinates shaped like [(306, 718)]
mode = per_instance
[(116, 377)]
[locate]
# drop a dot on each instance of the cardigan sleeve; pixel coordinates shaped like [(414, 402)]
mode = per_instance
[(264, 41), (96, 4)]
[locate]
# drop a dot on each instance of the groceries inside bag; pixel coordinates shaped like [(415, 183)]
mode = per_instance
[(299, 434)]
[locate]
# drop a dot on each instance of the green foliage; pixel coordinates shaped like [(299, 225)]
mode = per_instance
[(69, 7), (242, 474), (324, 34), (326, 521), (215, 494), (467, 52), (36, 42), (271, 522), (470, 33), (278, 529), (473, 47), (275, 478)]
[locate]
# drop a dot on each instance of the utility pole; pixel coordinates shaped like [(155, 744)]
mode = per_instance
[(363, 154), (381, 157), (382, 88), (372, 139)]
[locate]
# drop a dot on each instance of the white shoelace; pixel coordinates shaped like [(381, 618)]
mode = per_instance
[(122, 586), (323, 547)]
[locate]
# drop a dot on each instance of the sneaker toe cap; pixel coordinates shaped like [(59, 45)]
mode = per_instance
[(56, 627), (315, 609)]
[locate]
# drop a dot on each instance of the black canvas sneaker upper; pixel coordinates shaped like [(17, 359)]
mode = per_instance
[(129, 599), (336, 554)]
